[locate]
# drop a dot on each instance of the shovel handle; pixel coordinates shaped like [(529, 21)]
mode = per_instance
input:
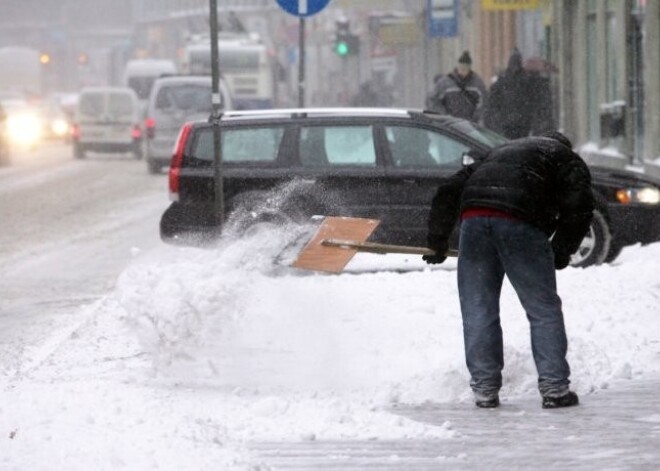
[(375, 247)]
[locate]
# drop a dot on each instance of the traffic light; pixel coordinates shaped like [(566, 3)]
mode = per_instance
[(346, 43), (342, 48), (82, 58)]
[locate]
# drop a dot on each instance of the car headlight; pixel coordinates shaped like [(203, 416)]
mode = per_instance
[(24, 129), (648, 195), (60, 127)]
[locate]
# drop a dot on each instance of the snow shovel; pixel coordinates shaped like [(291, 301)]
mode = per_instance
[(338, 239)]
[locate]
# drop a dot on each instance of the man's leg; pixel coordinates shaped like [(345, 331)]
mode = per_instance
[(480, 276), (529, 264)]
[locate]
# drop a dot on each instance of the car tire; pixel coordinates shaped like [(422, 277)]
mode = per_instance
[(595, 246), (615, 251), (78, 151)]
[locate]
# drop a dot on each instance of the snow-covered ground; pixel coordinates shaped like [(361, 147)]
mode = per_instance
[(195, 354)]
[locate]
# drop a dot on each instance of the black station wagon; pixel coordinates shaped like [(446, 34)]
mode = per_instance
[(361, 162)]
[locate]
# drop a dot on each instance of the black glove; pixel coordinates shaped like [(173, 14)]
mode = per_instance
[(561, 260), (440, 245)]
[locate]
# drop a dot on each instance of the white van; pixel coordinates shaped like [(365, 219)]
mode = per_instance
[(173, 102), (140, 74), (107, 119)]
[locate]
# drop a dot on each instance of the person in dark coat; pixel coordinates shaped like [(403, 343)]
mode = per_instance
[(520, 102), (460, 93), (510, 204), (541, 94), (510, 105)]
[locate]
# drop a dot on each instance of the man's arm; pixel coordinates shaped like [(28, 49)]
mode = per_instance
[(576, 206), (445, 208)]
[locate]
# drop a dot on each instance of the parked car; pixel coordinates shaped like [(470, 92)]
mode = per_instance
[(376, 163), (107, 119), (173, 101)]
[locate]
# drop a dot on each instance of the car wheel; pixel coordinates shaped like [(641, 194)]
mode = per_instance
[(595, 246), (78, 151), (615, 251)]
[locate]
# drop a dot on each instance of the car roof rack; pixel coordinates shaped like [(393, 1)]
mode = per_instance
[(312, 112)]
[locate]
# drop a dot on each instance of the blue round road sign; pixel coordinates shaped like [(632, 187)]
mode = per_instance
[(303, 7)]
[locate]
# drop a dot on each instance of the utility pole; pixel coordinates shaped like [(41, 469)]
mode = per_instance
[(216, 114), (301, 63)]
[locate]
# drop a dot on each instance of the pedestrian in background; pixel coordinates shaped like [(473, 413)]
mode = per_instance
[(510, 204), (460, 93), (519, 102)]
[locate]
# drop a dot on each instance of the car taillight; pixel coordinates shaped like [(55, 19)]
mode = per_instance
[(136, 132), (75, 131), (177, 161), (150, 126)]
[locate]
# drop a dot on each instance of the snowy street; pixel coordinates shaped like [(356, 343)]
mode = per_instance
[(120, 352)]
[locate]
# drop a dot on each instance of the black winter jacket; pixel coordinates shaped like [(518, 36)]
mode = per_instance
[(536, 179)]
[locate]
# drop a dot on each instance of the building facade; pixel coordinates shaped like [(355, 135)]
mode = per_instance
[(608, 56)]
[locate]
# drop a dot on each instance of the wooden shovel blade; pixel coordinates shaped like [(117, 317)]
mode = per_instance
[(317, 256)]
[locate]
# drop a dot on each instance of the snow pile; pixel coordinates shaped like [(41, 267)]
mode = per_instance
[(229, 316)]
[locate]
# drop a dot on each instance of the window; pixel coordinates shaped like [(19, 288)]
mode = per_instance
[(412, 147), (185, 97), (337, 145), (91, 104), (241, 145), (121, 106), (142, 86)]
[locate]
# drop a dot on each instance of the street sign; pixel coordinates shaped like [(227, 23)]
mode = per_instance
[(443, 18), (303, 8)]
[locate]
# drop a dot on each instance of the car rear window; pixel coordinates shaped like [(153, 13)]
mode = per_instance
[(120, 106), (141, 86), (241, 145), (337, 145), (186, 97), (91, 104)]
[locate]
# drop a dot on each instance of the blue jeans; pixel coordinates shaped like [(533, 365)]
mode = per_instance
[(489, 248)]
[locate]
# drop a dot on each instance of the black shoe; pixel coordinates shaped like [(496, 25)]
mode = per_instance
[(488, 403), (567, 400)]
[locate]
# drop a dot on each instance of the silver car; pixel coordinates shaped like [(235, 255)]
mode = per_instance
[(107, 119), (174, 101)]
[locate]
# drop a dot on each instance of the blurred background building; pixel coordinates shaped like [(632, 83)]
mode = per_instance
[(602, 57)]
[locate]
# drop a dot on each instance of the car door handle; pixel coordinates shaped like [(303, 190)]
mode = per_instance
[(410, 181), (308, 181)]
